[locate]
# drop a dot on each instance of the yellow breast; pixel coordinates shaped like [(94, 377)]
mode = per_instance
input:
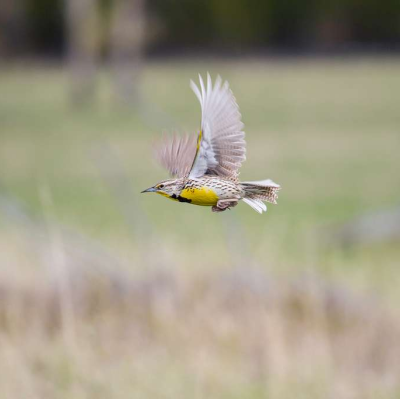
[(200, 196)]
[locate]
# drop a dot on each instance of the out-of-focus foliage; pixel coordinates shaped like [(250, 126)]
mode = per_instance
[(277, 23), (44, 20), (220, 25)]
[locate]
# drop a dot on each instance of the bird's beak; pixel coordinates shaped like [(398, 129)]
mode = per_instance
[(150, 190)]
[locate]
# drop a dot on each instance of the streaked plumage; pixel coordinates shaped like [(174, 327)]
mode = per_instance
[(205, 168)]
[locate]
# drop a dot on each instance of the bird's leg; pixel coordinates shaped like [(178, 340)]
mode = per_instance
[(223, 205)]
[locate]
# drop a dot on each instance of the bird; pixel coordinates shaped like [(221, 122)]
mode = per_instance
[(205, 166)]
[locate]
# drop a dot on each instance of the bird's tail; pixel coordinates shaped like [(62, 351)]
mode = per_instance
[(258, 191)]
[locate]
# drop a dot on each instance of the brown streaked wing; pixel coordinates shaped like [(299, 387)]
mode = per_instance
[(176, 153)]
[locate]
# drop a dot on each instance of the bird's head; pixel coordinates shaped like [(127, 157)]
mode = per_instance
[(168, 188)]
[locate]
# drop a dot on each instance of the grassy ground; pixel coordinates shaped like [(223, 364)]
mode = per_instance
[(327, 131)]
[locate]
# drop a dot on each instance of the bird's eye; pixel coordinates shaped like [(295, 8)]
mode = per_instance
[(160, 186)]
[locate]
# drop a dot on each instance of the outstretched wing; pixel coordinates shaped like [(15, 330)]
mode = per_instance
[(176, 153), (221, 147)]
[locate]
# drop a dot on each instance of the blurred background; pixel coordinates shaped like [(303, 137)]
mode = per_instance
[(106, 293)]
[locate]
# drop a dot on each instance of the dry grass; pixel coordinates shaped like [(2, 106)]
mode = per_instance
[(103, 333)]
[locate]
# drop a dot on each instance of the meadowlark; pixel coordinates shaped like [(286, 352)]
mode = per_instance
[(205, 166)]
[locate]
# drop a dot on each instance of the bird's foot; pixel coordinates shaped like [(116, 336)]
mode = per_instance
[(223, 205)]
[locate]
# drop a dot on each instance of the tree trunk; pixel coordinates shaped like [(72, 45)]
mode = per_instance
[(83, 44), (127, 40)]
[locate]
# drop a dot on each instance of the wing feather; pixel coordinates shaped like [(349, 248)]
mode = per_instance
[(222, 146), (176, 153)]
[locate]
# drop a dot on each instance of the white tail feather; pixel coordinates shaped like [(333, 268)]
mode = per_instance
[(263, 183), (257, 205), (258, 191)]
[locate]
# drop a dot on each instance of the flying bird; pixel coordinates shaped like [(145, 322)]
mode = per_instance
[(205, 166)]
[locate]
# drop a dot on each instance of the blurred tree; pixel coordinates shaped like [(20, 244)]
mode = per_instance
[(45, 25), (230, 25), (183, 23), (285, 24), (376, 21), (110, 29), (13, 21), (82, 18), (241, 25), (126, 46)]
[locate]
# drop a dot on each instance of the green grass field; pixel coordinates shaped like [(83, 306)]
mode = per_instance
[(327, 130)]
